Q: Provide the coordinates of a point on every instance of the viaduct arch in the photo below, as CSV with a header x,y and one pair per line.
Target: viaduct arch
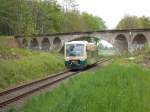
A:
x,y
123,40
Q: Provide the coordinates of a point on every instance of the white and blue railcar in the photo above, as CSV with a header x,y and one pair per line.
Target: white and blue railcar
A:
x,y
80,54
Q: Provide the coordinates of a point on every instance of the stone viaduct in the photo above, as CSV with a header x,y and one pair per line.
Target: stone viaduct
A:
x,y
122,40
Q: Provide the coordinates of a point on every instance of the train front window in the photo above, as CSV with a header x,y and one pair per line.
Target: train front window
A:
x,y
74,49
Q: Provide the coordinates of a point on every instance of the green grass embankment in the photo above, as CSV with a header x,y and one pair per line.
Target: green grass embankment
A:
x,y
20,65
119,87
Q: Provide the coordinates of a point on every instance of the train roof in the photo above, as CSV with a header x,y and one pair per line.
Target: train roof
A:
x,y
77,42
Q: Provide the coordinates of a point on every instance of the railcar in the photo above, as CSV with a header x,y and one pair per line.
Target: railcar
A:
x,y
80,54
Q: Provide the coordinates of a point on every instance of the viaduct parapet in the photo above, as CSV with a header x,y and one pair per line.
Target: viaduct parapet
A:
x,y
122,40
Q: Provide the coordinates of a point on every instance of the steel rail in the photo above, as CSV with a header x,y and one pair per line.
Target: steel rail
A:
x,y
30,83
50,83
16,98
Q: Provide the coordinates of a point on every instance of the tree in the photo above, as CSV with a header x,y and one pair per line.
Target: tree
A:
x,y
29,17
133,22
128,22
74,22
69,5
93,22
7,16
144,22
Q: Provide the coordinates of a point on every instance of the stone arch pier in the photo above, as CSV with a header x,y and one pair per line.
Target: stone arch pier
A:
x,y
122,40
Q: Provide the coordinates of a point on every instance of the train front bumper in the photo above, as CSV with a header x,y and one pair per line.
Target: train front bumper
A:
x,y
76,64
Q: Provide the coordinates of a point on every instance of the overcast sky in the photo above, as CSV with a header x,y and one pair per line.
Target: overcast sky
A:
x,y
111,11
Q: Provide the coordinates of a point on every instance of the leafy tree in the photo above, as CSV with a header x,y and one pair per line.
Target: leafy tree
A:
x,y
93,22
144,22
74,22
128,22
133,22
44,16
7,16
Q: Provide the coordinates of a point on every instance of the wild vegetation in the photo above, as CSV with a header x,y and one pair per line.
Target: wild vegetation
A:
x,y
142,57
44,16
121,86
20,65
133,22
31,66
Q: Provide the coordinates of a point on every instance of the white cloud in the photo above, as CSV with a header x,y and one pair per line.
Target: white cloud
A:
x,y
111,11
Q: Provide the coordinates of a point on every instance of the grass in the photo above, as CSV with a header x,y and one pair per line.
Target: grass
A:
x,y
141,57
119,87
8,41
13,72
20,65
4,40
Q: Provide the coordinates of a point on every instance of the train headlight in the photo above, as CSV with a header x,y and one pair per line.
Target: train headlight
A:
x,y
67,58
81,58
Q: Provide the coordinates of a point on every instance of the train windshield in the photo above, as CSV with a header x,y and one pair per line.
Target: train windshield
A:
x,y
74,49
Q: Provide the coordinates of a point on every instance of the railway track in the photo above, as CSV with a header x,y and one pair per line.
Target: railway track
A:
x,y
15,94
